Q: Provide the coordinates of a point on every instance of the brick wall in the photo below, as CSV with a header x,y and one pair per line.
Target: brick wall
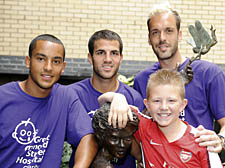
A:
x,y
74,21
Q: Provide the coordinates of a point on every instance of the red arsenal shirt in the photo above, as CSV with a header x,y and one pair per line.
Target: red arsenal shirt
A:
x,y
160,153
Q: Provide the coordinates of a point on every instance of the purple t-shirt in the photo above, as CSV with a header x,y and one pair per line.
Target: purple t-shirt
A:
x,y
89,98
205,93
32,130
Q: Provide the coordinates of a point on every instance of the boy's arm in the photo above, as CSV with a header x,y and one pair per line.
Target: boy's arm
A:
x,y
85,152
119,111
136,150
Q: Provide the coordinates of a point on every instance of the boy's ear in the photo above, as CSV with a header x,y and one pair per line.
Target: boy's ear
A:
x,y
146,103
185,102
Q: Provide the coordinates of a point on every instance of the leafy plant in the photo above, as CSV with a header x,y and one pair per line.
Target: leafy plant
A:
x,y
127,80
67,151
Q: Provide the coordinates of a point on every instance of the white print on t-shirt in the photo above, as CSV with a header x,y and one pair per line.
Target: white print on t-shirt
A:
x,y
154,143
185,156
182,115
24,132
91,113
34,145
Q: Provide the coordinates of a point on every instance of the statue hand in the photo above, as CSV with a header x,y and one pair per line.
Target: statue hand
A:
x,y
186,73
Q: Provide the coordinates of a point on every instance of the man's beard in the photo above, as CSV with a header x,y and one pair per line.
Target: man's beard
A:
x,y
37,83
102,77
96,71
173,52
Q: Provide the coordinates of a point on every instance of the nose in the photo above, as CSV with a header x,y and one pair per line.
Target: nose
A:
x,y
108,57
162,36
48,65
121,143
163,105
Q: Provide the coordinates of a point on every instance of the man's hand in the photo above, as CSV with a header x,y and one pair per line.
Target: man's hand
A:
x,y
120,110
208,138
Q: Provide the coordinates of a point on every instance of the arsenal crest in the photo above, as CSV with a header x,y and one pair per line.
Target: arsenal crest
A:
x,y
185,156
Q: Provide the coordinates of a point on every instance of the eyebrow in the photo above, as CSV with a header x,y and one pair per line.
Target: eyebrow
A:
x,y
40,54
115,50
99,50
104,50
43,55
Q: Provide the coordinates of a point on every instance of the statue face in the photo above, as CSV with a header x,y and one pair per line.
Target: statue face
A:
x,y
118,142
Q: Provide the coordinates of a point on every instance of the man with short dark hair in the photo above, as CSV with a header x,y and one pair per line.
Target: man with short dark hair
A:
x,y
105,54
36,115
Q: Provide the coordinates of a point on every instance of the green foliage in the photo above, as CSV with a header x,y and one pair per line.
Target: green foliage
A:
x,y
67,151
129,81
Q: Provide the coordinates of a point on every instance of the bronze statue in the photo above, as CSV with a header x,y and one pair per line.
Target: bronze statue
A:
x,y
201,43
114,143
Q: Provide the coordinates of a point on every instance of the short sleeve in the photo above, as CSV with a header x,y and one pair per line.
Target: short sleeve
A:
x,y
79,123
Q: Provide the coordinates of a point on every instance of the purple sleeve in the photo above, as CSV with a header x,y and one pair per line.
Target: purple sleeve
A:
x,y
137,86
79,123
141,79
217,88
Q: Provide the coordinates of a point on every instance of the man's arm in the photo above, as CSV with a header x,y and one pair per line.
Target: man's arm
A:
x,y
119,111
85,152
210,139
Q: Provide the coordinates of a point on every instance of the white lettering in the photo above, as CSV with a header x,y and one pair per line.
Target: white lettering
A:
x,y
29,166
22,160
41,152
38,139
19,160
45,144
31,154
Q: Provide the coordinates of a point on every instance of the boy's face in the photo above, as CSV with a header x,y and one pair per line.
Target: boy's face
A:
x,y
165,104
46,64
106,58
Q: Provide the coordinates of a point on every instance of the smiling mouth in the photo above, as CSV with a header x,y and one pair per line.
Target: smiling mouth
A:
x,y
47,77
164,115
107,67
163,47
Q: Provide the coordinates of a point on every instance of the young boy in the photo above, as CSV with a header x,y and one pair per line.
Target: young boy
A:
x,y
168,141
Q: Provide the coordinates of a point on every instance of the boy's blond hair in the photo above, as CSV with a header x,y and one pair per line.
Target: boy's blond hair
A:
x,y
166,77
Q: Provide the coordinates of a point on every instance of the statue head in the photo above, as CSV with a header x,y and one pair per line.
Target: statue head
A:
x,y
116,141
